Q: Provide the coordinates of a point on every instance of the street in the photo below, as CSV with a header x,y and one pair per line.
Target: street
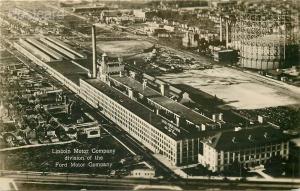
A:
x,y
67,181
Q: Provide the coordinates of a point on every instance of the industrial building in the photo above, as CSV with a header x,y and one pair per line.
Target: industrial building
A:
x,y
36,51
56,57
89,9
48,49
161,124
65,46
140,106
265,41
222,3
247,147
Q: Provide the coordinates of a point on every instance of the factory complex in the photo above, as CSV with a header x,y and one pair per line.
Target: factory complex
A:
x,y
148,109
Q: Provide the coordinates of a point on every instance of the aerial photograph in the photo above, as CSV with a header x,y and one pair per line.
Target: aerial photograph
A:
x,y
149,95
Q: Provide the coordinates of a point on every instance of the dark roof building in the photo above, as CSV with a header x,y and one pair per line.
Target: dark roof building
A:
x,y
247,147
247,138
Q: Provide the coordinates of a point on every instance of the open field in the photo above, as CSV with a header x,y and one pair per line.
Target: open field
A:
x,y
123,48
234,87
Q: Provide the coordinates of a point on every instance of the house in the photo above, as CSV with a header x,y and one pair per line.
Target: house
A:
x,y
143,173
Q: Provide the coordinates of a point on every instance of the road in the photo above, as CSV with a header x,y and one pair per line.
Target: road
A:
x,y
83,181
37,145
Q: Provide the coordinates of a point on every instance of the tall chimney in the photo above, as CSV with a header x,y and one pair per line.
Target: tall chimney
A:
x,y
94,51
221,32
227,40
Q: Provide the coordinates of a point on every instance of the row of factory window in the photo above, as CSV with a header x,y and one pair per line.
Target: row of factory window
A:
x,y
266,148
125,118
252,157
189,150
254,152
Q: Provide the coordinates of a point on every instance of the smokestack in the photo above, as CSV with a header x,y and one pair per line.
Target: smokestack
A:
x,y
227,40
94,51
221,33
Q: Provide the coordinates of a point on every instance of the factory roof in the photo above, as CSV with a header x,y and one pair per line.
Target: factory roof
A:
x,y
138,109
65,46
136,86
247,138
86,63
89,8
163,101
148,77
181,110
69,70
175,90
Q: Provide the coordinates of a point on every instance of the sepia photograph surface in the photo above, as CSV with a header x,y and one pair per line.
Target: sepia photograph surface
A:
x,y
149,95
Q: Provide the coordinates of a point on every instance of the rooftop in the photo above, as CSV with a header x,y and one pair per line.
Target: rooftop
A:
x,y
137,86
163,101
181,110
137,108
69,70
246,138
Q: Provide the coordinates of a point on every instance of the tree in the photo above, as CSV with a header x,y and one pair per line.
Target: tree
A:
x,y
203,44
275,165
